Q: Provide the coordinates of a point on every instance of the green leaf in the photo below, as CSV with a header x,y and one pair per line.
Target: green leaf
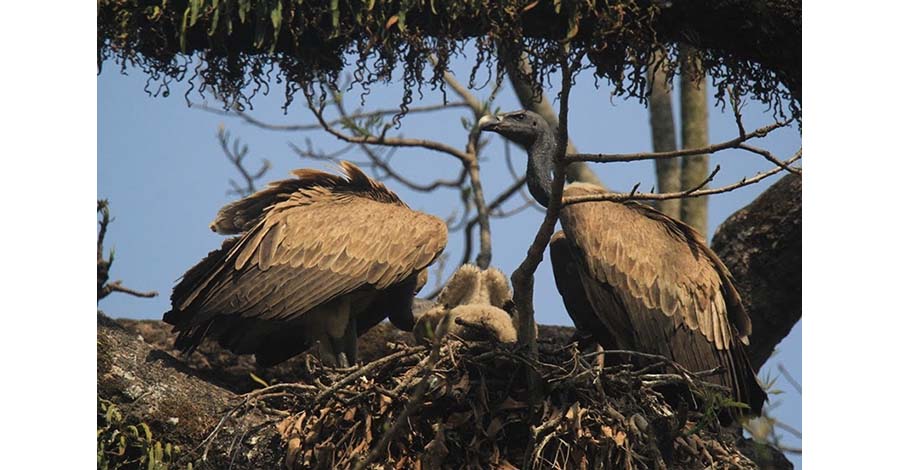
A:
x,y
276,17
335,17
243,8
258,380
196,6
401,20
147,433
184,24
215,19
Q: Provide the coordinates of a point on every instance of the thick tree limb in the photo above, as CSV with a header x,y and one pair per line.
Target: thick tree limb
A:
x,y
761,245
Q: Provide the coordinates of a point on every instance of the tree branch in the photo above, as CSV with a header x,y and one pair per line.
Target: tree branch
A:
x,y
317,110
314,126
633,157
694,192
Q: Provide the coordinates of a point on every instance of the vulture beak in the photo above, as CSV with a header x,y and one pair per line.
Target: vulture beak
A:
x,y
489,122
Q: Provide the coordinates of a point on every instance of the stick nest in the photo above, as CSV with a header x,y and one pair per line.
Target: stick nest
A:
x,y
466,405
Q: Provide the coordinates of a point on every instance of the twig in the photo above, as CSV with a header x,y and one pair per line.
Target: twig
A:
x,y
768,156
105,288
483,260
317,110
633,157
680,194
383,163
366,369
499,200
791,380
400,423
236,156
309,127
116,286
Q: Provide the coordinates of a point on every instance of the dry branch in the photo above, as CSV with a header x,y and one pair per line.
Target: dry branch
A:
x,y
318,110
104,288
633,157
694,192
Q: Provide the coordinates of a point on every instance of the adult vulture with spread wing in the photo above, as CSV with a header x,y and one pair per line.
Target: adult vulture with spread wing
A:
x,y
636,279
319,259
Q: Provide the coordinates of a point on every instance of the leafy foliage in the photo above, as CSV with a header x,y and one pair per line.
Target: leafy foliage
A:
x,y
130,446
750,46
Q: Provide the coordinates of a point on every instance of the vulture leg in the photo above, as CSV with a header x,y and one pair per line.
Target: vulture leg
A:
x,y
341,335
345,345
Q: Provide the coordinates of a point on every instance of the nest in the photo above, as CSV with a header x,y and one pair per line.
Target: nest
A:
x,y
466,405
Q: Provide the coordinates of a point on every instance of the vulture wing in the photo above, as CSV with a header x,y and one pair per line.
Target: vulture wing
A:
x,y
328,237
658,288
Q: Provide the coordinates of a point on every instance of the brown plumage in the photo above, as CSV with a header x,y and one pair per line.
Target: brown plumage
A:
x,y
320,258
639,280
633,278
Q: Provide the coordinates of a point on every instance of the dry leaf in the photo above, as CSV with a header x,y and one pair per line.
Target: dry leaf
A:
x,y
511,404
530,5
493,428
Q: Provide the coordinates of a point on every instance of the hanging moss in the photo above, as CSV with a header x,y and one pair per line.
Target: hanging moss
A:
x,y
231,47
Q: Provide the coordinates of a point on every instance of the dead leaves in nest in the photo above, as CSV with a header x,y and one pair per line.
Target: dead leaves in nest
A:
x,y
474,414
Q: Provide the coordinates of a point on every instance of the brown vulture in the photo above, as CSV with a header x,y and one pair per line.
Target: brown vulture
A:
x,y
319,259
636,279
474,305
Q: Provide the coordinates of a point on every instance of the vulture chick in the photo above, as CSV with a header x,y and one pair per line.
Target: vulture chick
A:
x,y
634,278
317,260
472,306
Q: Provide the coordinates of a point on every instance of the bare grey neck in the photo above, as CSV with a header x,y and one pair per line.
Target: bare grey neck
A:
x,y
539,175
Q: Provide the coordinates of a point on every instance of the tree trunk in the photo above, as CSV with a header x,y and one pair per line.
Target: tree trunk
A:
x,y
761,245
662,126
694,133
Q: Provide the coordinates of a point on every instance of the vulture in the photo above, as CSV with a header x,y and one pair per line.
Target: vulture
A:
x,y
633,278
317,260
479,299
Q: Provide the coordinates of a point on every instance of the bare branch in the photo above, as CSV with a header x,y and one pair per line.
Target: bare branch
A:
x,y
314,126
383,163
681,194
414,402
116,286
103,265
318,110
790,378
768,156
523,277
236,153
633,157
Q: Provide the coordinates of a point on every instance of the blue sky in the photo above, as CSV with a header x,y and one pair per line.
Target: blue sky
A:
x,y
161,167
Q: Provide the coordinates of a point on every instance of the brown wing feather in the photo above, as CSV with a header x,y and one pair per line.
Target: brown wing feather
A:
x,y
322,241
657,264
657,288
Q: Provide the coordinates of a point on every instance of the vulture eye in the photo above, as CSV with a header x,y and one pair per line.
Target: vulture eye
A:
x,y
517,117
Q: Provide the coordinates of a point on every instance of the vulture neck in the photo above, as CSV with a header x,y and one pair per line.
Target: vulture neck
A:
x,y
539,175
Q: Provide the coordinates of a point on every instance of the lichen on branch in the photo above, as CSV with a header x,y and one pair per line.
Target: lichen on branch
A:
x,y
232,48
